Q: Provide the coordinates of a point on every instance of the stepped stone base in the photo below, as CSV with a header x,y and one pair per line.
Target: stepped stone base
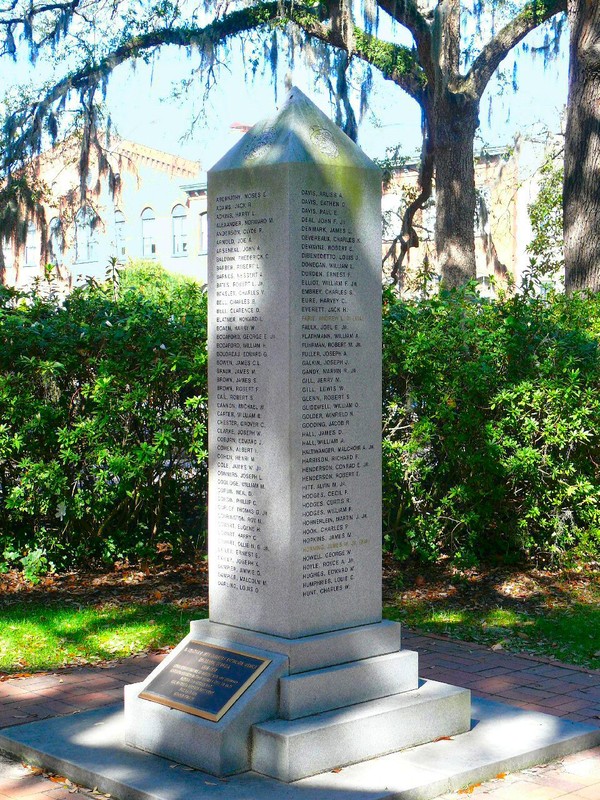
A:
x,y
290,750
221,748
310,652
347,684
325,701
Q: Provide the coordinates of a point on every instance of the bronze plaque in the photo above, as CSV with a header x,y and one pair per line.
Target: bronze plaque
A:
x,y
205,680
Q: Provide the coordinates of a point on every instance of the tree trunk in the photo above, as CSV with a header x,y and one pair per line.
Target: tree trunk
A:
x,y
454,122
582,150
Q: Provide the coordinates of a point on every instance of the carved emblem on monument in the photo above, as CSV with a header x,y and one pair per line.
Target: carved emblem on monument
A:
x,y
323,141
260,145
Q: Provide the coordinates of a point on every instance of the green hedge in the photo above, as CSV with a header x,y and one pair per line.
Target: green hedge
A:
x,y
102,422
491,424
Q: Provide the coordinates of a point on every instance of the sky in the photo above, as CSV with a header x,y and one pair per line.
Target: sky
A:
x,y
144,107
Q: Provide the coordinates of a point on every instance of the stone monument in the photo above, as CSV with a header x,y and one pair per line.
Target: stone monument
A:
x,y
295,673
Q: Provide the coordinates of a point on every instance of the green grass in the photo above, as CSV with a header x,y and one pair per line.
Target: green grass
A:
x,y
36,637
570,634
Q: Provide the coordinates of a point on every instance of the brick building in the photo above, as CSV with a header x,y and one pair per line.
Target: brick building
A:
x,y
157,211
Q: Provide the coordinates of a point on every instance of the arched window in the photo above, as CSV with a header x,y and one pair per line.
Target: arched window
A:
x,y
55,241
482,211
86,243
7,252
148,233
32,246
120,241
179,225
203,238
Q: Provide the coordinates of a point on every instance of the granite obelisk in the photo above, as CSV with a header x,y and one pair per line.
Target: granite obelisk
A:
x,y
295,379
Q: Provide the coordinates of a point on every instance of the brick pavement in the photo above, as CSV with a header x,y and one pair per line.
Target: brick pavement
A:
x,y
69,691
531,683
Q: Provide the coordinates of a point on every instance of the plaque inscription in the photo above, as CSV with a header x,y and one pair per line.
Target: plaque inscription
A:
x,y
205,679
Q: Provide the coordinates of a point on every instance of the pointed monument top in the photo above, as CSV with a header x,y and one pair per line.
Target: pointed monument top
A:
x,y
299,133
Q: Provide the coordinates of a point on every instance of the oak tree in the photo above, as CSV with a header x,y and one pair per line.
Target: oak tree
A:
x,y
581,191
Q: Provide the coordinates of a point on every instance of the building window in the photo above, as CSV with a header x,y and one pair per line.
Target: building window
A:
x,y
120,244
179,223
482,211
86,243
148,233
55,241
32,249
7,252
203,232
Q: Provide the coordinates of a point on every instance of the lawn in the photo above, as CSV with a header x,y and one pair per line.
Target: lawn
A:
x,y
87,618
38,637
553,613
80,619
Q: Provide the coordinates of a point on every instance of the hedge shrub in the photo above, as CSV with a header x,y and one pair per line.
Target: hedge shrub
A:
x,y
102,422
492,426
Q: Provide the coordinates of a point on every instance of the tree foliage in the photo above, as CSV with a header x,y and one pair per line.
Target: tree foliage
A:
x,y
546,216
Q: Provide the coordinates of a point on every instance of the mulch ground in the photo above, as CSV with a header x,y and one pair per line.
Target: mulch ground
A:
x,y
527,590
185,584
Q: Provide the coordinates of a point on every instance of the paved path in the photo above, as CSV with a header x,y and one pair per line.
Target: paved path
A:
x,y
531,683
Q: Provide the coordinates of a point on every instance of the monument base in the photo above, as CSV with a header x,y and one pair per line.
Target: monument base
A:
x,y
324,701
291,750
218,747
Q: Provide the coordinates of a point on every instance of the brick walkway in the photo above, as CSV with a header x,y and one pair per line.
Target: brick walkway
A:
x,y
540,685
537,685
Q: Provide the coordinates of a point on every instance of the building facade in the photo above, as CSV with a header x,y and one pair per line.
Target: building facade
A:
x,y
155,208
507,182
152,207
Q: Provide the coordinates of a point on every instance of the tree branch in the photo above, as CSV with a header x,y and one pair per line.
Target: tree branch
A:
x,y
488,61
445,33
408,236
92,74
396,63
34,11
407,14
